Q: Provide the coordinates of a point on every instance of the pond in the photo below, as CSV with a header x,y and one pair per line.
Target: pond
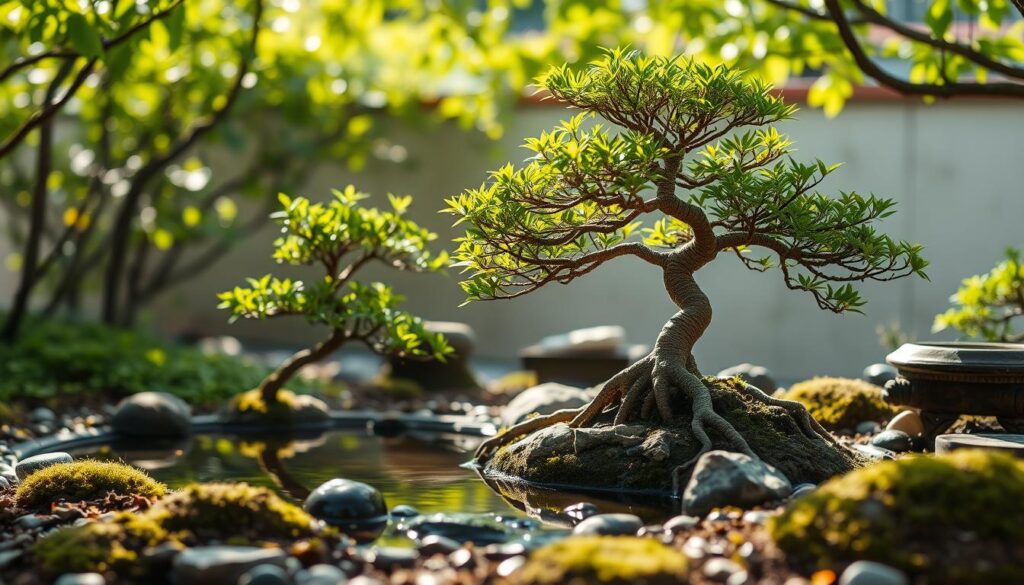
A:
x,y
423,470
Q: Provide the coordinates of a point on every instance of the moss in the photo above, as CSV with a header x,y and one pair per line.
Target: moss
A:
x,y
398,388
111,545
953,519
841,403
197,514
9,414
232,511
624,560
289,409
85,480
586,461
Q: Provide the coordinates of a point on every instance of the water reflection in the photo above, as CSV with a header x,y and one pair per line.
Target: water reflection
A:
x,y
422,470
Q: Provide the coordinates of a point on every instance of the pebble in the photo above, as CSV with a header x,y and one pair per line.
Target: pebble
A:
x,y
463,559
479,531
757,376
610,525
265,575
364,580
509,566
321,574
9,556
907,421
723,478
4,484
720,569
436,544
348,505
580,511
868,427
872,573
81,579
756,517
30,465
42,415
387,558
893,440
404,511
803,489
879,374
681,523
217,565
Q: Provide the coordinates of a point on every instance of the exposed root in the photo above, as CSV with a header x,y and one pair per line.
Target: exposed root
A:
x,y
811,428
489,446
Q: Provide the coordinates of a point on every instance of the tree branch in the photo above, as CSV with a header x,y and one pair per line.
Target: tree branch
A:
x,y
860,56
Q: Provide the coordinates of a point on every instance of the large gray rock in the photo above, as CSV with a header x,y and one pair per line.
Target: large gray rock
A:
x,y
723,478
755,375
220,565
30,465
152,414
544,399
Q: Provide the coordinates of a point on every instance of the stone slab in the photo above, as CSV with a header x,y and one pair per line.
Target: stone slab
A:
x,y
1012,444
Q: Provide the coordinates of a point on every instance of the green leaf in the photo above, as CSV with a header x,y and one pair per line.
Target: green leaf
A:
x,y
84,38
175,25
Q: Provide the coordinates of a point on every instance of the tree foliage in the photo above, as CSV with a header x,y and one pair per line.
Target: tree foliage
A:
x,y
152,96
698,151
340,238
989,305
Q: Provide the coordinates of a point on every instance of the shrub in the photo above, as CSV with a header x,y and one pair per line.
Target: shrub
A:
x,y
989,305
60,358
955,519
85,480
841,403
624,560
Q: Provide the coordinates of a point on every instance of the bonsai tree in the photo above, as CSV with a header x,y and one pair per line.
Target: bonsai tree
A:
x,y
697,151
340,238
987,305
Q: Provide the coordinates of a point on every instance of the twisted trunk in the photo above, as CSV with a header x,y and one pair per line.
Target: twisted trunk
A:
x,y
275,381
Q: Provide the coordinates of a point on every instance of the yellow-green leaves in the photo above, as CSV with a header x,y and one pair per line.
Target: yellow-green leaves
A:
x,y
989,305
84,38
340,237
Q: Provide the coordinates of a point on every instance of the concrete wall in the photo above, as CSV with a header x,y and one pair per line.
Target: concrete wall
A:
x,y
955,169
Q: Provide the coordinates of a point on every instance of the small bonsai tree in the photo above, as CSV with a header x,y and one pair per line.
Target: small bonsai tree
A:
x,y
697,149
988,305
341,237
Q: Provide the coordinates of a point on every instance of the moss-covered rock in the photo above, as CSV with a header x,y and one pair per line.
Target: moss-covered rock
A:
x,y
238,513
841,403
954,519
85,480
613,560
643,457
197,514
290,409
111,545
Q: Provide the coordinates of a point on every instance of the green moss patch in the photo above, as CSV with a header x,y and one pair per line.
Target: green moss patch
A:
x,y
290,409
85,480
954,519
619,560
232,512
197,514
112,545
841,403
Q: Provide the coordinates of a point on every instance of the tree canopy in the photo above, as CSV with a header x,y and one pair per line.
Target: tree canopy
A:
x,y
697,150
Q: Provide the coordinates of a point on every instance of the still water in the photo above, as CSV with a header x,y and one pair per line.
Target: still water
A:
x,y
424,471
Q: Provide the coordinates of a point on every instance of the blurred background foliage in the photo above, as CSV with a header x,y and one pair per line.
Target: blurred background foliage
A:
x,y
114,114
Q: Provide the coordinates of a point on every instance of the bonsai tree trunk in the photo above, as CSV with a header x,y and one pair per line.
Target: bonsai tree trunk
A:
x,y
645,390
275,381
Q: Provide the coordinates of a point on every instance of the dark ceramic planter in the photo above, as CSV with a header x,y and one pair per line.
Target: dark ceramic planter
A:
x,y
946,380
